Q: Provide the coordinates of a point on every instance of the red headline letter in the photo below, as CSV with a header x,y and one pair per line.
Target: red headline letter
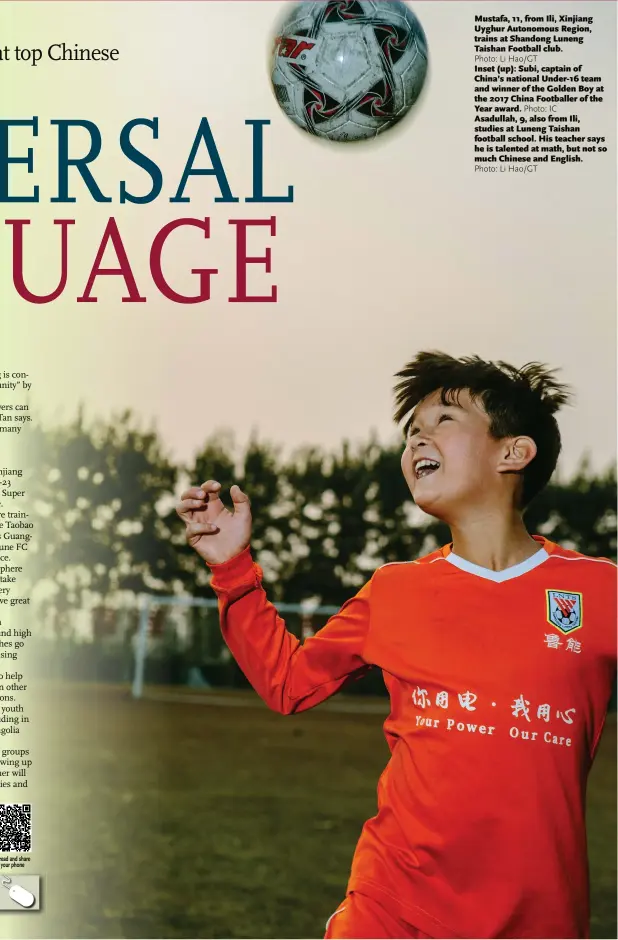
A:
x,y
18,261
157,273
242,260
112,234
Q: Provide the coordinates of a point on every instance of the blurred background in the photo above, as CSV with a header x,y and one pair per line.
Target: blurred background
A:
x,y
324,519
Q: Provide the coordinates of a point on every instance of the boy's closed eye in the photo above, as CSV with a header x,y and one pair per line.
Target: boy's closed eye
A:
x,y
416,430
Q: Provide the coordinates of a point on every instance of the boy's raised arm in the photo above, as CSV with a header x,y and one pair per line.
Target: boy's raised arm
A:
x,y
289,676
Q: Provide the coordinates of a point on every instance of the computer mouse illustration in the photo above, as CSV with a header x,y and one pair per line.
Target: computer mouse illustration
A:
x,y
21,896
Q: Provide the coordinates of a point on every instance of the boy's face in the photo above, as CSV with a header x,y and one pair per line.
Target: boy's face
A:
x,y
450,462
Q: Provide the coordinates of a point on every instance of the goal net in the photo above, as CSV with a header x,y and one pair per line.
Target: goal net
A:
x,y
178,642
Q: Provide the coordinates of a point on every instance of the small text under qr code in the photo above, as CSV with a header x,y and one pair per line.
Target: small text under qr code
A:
x,y
15,827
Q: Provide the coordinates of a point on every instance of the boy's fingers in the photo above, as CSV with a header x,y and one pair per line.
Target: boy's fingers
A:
x,y
198,497
197,529
194,492
241,500
211,490
189,505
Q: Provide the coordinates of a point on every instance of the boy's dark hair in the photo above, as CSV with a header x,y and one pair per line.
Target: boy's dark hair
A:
x,y
517,402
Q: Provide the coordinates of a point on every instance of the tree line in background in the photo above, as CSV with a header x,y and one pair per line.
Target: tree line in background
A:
x,y
103,497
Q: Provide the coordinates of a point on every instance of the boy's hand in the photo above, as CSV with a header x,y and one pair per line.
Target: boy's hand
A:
x,y
213,531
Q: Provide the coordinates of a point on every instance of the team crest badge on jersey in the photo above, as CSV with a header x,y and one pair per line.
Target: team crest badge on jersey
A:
x,y
564,610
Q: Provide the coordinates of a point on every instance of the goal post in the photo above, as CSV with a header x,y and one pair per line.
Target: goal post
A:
x,y
185,627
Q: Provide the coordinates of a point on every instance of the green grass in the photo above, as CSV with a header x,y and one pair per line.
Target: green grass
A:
x,y
189,821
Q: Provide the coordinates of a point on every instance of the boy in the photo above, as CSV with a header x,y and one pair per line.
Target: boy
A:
x,y
498,652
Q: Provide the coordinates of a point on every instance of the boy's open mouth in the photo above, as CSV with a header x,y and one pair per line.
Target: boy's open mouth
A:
x,y
425,466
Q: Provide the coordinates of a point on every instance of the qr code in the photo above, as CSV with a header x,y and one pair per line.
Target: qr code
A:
x,y
15,827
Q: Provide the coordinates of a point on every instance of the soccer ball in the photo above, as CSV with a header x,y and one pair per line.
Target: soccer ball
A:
x,y
348,69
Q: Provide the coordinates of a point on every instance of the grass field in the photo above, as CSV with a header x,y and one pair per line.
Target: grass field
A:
x,y
193,821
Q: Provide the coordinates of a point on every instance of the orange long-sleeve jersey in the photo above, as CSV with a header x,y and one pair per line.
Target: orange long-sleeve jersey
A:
x,y
499,684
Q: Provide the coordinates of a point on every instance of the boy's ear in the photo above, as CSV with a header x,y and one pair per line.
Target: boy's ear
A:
x,y
516,454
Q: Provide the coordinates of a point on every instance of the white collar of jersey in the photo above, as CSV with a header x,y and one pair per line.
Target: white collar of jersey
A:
x,y
513,572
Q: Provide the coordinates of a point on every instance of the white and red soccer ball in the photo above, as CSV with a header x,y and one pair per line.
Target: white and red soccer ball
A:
x,y
348,70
